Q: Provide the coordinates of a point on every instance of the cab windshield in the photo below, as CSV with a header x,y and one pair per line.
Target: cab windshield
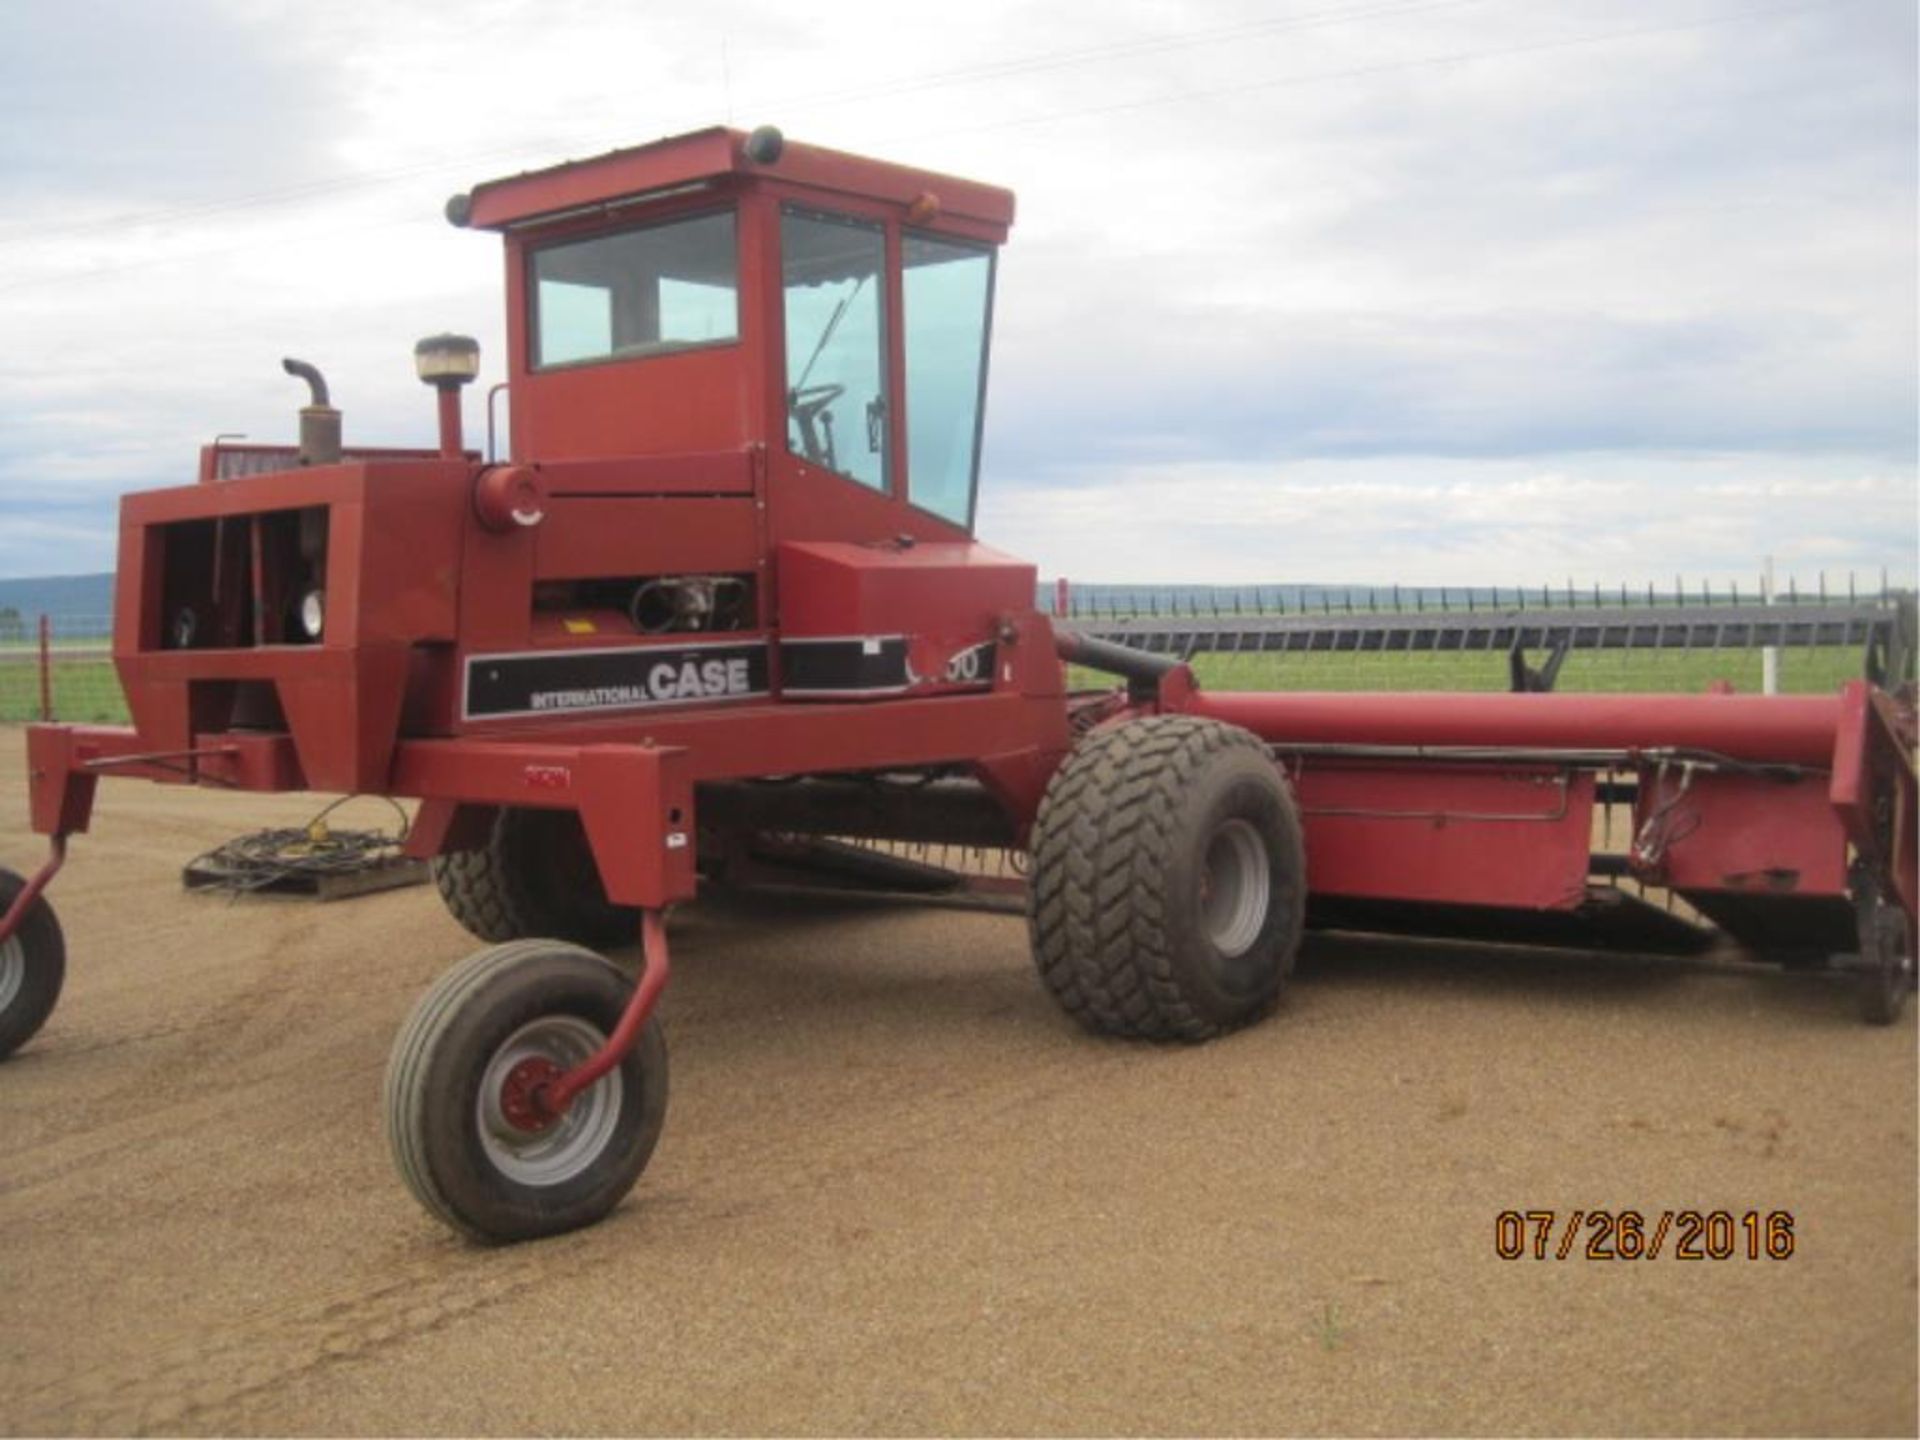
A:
x,y
839,399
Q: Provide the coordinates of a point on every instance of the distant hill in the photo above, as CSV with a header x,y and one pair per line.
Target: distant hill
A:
x,y
61,596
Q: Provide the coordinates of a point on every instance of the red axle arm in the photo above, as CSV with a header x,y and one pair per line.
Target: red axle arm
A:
x,y
23,902
551,1099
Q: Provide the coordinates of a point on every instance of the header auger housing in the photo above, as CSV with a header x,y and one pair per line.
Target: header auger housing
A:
x,y
720,609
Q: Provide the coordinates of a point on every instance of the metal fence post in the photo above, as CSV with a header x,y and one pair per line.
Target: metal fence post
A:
x,y
46,670
1769,655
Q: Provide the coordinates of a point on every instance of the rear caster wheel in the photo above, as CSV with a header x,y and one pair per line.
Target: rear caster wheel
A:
x,y
1886,955
1169,880
466,1135
33,965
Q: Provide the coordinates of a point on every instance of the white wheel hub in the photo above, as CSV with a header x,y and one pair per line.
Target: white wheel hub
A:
x,y
557,1152
1236,884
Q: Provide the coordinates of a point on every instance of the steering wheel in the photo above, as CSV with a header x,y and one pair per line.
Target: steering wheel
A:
x,y
812,399
808,406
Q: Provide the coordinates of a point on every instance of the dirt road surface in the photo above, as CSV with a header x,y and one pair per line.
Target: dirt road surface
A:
x,y
898,1193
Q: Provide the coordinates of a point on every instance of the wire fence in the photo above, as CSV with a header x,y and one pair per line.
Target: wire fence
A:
x,y
1077,600
1303,638
1601,639
1808,671
69,676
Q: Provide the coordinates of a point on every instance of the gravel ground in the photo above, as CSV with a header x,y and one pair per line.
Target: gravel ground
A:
x,y
899,1194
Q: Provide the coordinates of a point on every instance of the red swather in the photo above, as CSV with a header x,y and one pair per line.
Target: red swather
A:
x,y
722,599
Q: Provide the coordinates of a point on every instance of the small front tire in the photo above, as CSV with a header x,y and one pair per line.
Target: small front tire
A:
x,y
33,967
456,1089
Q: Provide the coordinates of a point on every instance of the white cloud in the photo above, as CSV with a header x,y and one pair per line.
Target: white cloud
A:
x,y
1601,305
1592,519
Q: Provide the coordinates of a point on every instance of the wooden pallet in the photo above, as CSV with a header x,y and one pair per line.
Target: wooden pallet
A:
x,y
392,873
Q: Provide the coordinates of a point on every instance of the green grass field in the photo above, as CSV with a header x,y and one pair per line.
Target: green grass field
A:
x,y
87,691
1809,671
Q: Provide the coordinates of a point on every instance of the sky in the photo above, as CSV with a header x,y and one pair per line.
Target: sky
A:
x,y
1371,291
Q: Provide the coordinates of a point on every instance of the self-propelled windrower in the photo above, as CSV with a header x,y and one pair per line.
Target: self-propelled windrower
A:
x,y
721,601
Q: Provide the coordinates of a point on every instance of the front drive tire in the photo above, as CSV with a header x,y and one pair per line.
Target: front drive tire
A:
x,y
1169,880
449,1098
33,966
536,875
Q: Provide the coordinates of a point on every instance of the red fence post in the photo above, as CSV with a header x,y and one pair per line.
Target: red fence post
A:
x,y
46,670
1060,596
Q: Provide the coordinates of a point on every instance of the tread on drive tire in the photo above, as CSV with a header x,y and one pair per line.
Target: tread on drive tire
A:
x,y
33,966
464,1056
535,876
1169,880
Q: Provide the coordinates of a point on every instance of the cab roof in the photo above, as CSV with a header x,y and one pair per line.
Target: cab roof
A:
x,y
706,157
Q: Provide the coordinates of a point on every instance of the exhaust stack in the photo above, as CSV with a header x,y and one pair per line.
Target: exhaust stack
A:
x,y
319,421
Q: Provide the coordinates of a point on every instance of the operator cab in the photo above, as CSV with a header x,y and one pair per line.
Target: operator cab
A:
x,y
722,295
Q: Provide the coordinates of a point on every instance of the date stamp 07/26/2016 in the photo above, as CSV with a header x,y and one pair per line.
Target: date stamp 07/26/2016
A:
x,y
1643,1235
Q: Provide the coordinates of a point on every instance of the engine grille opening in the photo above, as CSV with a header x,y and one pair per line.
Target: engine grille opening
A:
x,y
241,581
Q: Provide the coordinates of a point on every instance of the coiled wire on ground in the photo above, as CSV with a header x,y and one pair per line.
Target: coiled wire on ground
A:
x,y
262,858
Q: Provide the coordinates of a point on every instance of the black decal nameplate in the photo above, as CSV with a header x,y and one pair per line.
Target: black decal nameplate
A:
x,y
850,666
637,677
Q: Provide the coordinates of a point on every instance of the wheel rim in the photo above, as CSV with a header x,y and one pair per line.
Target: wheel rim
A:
x,y
13,971
556,1152
1235,886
